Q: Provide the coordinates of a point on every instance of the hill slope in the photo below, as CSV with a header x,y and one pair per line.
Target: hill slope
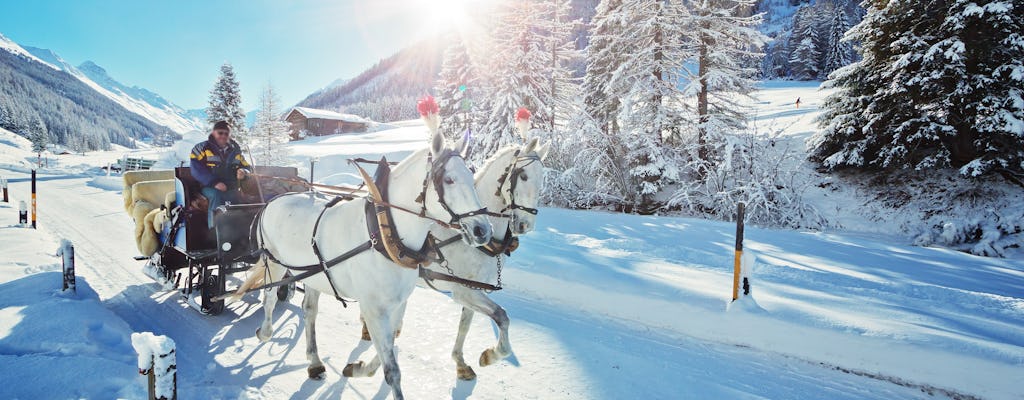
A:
x,y
135,99
385,91
37,96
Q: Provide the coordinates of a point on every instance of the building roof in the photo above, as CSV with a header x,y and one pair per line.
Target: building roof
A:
x,y
331,115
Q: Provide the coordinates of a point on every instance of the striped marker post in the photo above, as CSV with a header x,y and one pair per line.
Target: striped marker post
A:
x,y
738,253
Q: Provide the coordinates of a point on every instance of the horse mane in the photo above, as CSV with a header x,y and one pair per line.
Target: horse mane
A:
x,y
499,155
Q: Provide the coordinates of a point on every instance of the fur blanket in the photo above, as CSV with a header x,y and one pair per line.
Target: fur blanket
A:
x,y
146,199
133,177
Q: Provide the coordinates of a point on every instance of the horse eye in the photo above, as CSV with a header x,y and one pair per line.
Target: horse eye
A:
x,y
523,177
449,181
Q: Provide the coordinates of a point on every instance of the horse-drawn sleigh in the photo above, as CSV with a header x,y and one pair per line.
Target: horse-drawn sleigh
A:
x,y
428,219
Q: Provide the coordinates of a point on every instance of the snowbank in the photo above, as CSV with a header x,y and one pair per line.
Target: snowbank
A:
x,y
56,344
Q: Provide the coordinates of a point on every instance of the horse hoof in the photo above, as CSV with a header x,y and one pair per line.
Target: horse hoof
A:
x,y
466,373
350,369
366,334
488,357
317,373
259,335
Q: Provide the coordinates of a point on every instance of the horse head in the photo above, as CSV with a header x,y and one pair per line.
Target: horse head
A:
x,y
453,195
523,185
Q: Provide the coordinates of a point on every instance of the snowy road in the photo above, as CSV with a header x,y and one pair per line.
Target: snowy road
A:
x,y
561,352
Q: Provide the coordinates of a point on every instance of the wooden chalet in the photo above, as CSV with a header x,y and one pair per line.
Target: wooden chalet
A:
x,y
312,122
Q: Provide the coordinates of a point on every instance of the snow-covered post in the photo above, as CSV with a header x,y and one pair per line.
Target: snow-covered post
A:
x,y
737,265
22,213
3,185
157,360
67,254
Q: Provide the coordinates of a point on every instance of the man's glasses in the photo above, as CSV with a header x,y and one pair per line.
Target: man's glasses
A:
x,y
222,132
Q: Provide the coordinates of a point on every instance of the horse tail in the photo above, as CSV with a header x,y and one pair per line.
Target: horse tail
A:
x,y
256,277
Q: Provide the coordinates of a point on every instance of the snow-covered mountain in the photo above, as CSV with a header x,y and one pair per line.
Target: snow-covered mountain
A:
x,y
39,96
135,99
384,91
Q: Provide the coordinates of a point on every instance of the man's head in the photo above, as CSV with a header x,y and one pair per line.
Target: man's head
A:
x,y
221,133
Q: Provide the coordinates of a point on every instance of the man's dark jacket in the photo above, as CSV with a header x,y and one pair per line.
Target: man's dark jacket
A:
x,y
211,164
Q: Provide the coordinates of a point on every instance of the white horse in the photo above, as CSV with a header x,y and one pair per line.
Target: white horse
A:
x,y
508,183
380,286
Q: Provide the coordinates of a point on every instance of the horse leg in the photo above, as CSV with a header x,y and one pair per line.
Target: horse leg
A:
x,y
479,302
265,331
310,306
398,328
463,370
380,326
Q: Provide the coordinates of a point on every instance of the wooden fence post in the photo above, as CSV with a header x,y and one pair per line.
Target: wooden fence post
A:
x,y
3,184
158,362
738,254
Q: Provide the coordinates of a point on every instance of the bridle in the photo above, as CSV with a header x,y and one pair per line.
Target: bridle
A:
x,y
511,177
435,175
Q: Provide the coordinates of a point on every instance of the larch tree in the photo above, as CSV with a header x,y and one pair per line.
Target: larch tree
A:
x,y
727,47
270,132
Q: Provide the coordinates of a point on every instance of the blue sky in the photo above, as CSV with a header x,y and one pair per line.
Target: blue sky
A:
x,y
175,48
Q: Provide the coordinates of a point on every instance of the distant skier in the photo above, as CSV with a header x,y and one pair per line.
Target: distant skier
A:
x,y
218,165
797,102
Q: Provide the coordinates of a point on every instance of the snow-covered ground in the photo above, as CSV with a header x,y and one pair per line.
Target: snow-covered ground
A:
x,y
603,306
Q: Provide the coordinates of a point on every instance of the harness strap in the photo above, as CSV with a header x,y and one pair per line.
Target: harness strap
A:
x,y
430,275
310,270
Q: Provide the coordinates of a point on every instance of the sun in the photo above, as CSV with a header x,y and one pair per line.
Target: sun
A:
x,y
445,15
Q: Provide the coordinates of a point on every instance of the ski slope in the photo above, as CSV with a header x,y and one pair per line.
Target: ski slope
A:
x,y
603,306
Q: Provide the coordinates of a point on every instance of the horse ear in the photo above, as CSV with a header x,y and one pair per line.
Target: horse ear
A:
x,y
542,151
532,144
437,143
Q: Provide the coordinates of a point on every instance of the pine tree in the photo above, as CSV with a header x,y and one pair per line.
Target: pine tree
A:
x,y
838,53
458,81
40,139
269,133
226,102
522,73
939,86
602,60
805,55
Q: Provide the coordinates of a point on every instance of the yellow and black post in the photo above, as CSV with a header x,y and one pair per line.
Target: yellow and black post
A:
x,y
33,199
738,252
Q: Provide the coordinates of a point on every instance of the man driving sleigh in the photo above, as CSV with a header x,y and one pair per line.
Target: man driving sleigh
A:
x,y
218,165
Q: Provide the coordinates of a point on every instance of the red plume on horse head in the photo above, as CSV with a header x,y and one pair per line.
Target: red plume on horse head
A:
x,y
429,110
523,121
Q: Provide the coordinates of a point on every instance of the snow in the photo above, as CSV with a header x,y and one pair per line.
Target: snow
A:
x,y
56,344
9,45
603,305
331,115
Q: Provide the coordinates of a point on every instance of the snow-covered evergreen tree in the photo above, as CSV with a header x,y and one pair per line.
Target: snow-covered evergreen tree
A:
x,y
270,132
226,102
838,52
39,137
805,55
459,80
939,86
527,69
602,60
727,47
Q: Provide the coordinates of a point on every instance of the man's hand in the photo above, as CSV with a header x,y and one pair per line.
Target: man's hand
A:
x,y
241,174
221,186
